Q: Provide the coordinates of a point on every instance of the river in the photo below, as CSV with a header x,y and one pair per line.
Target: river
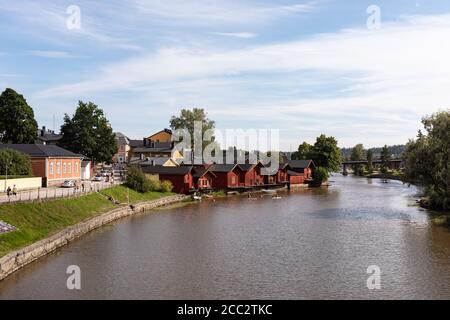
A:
x,y
311,244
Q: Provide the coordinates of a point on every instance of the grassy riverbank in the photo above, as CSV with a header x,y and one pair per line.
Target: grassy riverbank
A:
x,y
36,221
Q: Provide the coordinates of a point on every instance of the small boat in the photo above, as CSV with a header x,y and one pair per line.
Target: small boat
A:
x,y
276,198
268,191
195,197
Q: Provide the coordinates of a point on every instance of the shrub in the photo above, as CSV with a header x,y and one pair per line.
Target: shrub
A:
x,y
137,180
166,186
320,174
17,162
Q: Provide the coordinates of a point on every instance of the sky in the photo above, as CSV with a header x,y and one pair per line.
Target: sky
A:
x,y
302,67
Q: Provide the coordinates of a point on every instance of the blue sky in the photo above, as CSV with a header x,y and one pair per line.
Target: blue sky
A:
x,y
304,67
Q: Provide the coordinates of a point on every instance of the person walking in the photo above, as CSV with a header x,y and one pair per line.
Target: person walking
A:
x,y
8,192
14,191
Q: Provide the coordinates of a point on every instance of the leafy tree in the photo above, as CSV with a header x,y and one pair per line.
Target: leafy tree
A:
x,y
385,157
326,153
427,159
137,180
17,123
18,163
320,174
186,120
370,161
358,154
88,132
304,152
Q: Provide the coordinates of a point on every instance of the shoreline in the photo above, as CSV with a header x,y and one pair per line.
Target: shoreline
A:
x,y
15,260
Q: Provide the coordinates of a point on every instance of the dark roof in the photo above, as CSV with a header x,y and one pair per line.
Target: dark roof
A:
x,y
150,161
300,164
223,167
136,143
41,150
47,135
148,149
200,172
247,166
176,171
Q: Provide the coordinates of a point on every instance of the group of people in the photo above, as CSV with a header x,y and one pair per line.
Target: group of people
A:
x,y
11,192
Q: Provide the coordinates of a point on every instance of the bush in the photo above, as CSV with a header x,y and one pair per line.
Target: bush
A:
x,y
18,163
137,180
166,186
320,174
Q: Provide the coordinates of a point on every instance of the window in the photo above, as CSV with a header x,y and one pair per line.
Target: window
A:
x,y
233,180
64,167
58,167
51,168
76,167
69,167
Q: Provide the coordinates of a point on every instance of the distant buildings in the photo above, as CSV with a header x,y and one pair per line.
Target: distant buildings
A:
x,y
47,137
123,146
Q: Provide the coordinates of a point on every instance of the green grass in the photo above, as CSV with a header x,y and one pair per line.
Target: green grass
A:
x,y
36,221
119,193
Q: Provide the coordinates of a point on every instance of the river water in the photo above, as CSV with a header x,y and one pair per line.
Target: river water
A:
x,y
311,244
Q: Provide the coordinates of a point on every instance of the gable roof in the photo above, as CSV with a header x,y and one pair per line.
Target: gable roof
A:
x,y
200,172
176,171
41,150
150,161
168,131
301,164
122,139
224,167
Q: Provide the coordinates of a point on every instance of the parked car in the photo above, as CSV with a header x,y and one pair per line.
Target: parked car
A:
x,y
98,178
68,184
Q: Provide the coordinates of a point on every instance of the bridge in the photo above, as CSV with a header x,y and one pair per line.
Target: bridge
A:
x,y
393,163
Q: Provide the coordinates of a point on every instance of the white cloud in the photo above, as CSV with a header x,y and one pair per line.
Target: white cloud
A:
x,y
204,12
49,54
244,35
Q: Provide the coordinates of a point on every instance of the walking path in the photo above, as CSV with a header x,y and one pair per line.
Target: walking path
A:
x,y
55,192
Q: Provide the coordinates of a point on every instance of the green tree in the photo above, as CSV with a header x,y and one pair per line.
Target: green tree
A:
x,y
326,153
17,162
358,154
370,161
427,159
385,158
17,123
320,174
186,120
137,180
303,152
89,133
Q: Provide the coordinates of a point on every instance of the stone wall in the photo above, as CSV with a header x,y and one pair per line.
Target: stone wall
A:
x,y
17,259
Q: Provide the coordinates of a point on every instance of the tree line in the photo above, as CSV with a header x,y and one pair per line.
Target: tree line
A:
x,y
86,132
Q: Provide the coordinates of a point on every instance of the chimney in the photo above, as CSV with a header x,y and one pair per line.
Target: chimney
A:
x,y
43,131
